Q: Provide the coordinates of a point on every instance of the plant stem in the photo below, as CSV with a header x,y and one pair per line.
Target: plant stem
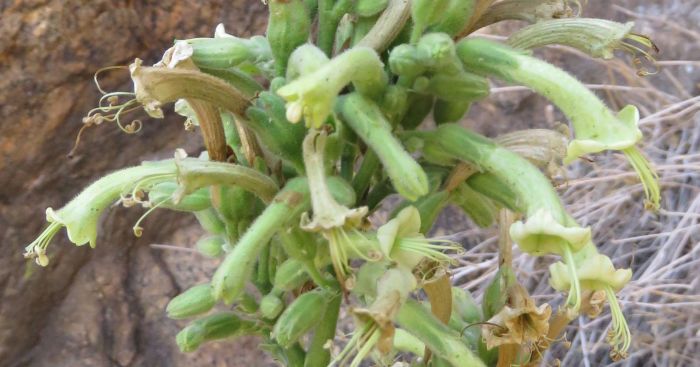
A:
x,y
442,340
318,353
388,26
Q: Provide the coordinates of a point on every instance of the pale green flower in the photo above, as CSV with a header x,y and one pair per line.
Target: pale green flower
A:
x,y
596,272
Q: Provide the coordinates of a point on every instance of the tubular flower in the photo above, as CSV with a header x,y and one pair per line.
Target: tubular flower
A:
x,y
596,37
81,215
596,127
313,96
330,218
596,272
377,329
520,186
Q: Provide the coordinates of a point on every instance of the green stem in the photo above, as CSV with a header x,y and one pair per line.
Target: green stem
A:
x,y
388,26
195,173
329,14
438,337
364,174
318,353
406,342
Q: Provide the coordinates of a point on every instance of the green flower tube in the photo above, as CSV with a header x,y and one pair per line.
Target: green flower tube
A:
x,y
530,11
596,37
312,96
596,127
438,337
331,218
227,52
367,120
81,215
548,228
230,278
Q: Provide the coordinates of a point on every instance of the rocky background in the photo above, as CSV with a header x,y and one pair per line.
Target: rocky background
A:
x,y
105,307
102,307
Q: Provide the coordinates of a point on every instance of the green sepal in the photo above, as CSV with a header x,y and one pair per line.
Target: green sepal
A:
x,y
301,316
480,208
368,8
211,246
218,326
192,302
288,27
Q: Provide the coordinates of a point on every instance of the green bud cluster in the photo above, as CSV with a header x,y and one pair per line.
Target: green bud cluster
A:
x,y
341,104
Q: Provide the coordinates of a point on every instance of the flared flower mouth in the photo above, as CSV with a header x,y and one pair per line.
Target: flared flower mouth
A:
x,y
400,240
620,136
597,136
596,272
313,95
542,234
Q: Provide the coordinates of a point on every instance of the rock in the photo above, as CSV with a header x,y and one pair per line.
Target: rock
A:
x,y
102,307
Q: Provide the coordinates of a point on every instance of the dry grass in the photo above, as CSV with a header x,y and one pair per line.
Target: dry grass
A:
x,y
662,303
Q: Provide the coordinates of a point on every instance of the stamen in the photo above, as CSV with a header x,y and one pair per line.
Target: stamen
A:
x,y
138,230
619,337
100,71
574,298
647,175
638,53
37,249
367,344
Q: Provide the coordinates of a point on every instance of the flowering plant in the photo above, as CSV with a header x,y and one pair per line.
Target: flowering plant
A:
x,y
309,128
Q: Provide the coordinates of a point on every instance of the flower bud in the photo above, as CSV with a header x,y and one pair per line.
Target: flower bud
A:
x,y
438,337
271,306
290,275
288,27
368,8
210,221
211,246
437,50
455,18
419,106
450,111
426,13
405,61
218,326
459,87
192,302
300,317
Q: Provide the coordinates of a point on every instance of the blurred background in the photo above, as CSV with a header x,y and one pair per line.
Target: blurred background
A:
x,y
105,307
